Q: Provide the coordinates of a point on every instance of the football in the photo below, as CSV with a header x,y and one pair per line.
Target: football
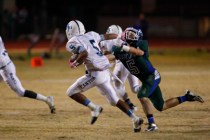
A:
x,y
73,57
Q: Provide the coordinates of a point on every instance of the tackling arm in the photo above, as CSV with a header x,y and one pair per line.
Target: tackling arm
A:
x,y
109,36
120,44
132,50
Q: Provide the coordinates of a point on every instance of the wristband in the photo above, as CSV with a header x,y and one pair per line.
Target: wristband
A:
x,y
76,63
73,64
125,48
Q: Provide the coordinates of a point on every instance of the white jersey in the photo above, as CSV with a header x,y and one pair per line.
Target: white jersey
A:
x,y
107,46
120,71
89,42
97,65
4,58
8,71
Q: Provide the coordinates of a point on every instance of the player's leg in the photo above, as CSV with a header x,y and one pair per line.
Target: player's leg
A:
x,y
134,83
75,92
161,105
34,39
119,87
107,89
147,93
189,96
11,79
122,73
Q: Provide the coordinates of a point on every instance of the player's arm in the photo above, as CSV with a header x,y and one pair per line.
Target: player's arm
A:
x,y
108,36
78,59
127,48
132,50
110,57
79,54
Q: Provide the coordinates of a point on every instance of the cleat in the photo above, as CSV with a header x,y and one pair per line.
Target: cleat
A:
x,y
95,113
192,97
50,102
152,127
132,107
137,125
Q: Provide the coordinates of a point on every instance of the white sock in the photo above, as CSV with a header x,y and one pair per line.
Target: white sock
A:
x,y
133,116
41,97
91,105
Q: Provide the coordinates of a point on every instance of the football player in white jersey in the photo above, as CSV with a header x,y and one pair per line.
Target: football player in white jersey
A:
x,y
86,46
8,75
120,70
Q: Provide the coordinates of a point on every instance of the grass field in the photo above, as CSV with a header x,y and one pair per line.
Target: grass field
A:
x,y
26,119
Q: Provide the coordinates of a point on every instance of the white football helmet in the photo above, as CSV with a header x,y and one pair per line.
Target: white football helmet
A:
x,y
114,29
74,28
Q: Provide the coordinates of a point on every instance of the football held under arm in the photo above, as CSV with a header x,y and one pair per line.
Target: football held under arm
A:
x,y
79,54
81,57
77,59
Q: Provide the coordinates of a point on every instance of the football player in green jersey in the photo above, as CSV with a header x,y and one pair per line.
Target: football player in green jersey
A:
x,y
133,52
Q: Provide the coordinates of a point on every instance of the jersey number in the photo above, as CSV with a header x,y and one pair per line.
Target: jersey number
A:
x,y
132,67
4,53
93,43
72,47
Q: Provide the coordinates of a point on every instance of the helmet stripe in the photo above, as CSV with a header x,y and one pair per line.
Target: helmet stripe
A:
x,y
77,25
118,30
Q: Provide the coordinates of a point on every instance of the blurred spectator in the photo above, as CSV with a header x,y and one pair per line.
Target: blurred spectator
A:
x,y
8,23
34,39
58,40
23,24
143,24
207,38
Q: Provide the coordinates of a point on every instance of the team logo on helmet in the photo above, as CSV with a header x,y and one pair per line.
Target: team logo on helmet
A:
x,y
74,28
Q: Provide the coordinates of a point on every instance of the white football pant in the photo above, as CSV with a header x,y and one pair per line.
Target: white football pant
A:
x,y
8,74
122,73
99,79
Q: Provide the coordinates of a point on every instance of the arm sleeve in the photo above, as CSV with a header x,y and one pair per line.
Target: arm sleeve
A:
x,y
102,38
75,48
115,51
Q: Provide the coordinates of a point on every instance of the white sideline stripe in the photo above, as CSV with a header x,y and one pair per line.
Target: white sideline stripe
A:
x,y
171,73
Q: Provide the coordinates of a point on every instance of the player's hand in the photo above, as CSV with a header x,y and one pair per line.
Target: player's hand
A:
x,y
118,42
73,64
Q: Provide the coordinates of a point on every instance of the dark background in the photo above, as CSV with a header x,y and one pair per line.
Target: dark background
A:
x,y
167,18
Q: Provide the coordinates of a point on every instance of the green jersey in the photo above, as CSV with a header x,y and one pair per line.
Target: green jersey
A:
x,y
140,66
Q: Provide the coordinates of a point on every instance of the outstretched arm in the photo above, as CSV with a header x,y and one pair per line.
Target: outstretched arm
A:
x,y
132,50
109,36
121,44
